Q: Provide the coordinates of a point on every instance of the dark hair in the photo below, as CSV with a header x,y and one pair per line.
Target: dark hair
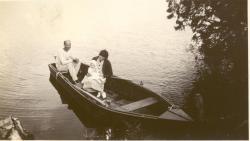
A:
x,y
104,53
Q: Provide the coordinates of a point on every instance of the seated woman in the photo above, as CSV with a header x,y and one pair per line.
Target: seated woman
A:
x,y
99,69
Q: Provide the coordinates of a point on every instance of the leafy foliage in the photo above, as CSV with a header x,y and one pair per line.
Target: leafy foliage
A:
x,y
220,43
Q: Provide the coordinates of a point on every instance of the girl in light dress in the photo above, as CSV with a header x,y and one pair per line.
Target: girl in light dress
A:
x,y
94,78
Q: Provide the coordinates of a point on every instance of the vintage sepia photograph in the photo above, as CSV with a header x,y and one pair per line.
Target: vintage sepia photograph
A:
x,y
124,70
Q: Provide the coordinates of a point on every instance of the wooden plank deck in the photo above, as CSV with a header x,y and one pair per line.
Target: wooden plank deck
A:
x,y
138,104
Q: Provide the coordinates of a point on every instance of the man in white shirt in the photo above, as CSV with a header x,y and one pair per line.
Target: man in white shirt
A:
x,y
66,62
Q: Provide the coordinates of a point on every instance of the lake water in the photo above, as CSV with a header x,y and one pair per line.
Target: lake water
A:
x,y
142,43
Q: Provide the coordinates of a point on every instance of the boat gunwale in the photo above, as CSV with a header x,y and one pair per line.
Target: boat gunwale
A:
x,y
103,106
115,110
150,91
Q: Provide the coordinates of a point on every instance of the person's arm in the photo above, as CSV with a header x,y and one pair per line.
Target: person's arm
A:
x,y
108,71
63,60
73,58
91,69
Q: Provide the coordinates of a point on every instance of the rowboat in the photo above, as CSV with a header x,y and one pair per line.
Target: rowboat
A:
x,y
125,100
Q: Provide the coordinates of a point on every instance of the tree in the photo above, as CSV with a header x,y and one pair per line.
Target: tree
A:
x,y
220,47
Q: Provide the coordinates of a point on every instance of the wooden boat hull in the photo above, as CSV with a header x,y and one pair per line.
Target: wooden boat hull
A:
x,y
105,114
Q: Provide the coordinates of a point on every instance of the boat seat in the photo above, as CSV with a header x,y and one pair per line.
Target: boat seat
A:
x,y
138,104
175,114
169,115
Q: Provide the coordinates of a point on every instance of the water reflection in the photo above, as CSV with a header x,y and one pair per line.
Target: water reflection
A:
x,y
143,45
117,128
96,128
93,128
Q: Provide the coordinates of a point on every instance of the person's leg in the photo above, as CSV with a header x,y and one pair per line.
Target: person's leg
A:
x,y
99,85
62,68
72,71
77,67
103,95
102,86
81,73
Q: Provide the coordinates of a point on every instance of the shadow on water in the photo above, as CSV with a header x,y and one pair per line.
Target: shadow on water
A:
x,y
97,129
117,128
94,128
